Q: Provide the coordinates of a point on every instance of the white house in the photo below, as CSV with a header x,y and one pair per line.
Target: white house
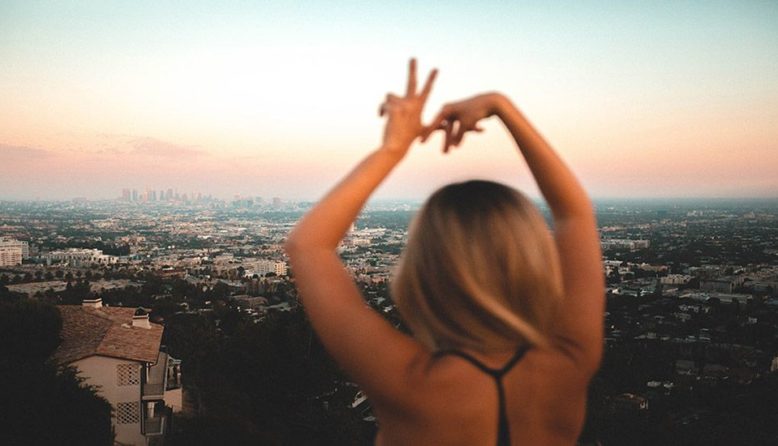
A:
x,y
118,350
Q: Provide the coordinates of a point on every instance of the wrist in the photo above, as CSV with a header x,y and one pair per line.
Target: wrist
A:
x,y
499,105
392,152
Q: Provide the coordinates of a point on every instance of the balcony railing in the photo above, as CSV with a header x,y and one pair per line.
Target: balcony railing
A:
x,y
153,391
155,425
154,384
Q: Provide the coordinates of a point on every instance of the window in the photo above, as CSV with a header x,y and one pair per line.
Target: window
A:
x,y
128,413
128,374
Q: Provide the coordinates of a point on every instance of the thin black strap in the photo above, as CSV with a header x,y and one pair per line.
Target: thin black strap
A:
x,y
503,430
495,373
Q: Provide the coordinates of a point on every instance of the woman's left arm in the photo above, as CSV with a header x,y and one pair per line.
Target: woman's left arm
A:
x,y
377,356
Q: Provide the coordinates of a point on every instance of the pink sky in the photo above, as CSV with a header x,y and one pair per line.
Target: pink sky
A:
x,y
643,101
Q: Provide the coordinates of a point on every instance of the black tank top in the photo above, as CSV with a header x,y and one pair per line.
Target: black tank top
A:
x,y
503,430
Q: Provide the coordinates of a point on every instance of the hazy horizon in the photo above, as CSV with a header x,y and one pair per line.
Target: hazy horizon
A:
x,y
649,100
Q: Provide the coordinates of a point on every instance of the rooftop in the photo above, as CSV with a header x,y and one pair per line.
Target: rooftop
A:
x,y
105,331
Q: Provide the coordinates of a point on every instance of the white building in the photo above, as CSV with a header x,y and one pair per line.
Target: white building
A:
x,y
10,256
79,257
9,242
675,279
264,267
618,243
118,351
12,251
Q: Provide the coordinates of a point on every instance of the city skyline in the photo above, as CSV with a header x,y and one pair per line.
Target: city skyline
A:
x,y
642,100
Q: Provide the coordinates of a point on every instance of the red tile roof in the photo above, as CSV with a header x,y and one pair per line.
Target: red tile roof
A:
x,y
106,331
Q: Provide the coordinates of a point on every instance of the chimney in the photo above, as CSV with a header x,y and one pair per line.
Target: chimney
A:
x,y
141,319
95,302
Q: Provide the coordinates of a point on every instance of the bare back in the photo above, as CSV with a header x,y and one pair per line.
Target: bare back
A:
x,y
452,402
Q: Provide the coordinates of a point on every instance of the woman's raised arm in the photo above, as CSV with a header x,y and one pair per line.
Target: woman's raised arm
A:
x,y
575,230
361,341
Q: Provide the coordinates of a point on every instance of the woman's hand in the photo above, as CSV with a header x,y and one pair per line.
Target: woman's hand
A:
x,y
458,118
403,125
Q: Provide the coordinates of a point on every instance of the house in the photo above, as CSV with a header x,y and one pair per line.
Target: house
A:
x,y
628,402
118,351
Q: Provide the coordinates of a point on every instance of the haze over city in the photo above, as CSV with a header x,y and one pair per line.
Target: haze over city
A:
x,y
645,99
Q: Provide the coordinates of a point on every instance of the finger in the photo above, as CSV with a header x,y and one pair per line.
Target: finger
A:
x,y
436,124
458,135
447,140
428,84
392,98
428,130
411,91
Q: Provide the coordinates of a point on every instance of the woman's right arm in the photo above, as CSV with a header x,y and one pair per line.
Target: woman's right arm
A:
x,y
580,329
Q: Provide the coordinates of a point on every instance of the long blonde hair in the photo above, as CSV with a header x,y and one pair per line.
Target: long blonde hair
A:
x,y
480,270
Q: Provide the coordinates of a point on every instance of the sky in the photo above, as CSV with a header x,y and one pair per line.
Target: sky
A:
x,y
279,99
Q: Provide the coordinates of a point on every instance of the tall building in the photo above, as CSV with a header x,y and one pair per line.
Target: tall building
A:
x,y
13,251
10,256
135,195
126,195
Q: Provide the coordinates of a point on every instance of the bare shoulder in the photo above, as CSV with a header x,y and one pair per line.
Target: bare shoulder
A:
x,y
555,371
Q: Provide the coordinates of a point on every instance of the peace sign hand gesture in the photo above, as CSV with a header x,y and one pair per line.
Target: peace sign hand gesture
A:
x,y
404,125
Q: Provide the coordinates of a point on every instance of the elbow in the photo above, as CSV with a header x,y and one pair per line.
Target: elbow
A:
x,y
292,245
581,212
595,358
590,359
583,208
295,245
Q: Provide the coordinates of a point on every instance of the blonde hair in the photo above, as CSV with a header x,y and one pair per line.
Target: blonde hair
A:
x,y
480,270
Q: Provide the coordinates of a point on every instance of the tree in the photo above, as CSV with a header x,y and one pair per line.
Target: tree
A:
x,y
29,330
43,403
271,382
165,308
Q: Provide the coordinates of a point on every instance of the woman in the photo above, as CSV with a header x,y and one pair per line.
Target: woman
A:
x,y
507,318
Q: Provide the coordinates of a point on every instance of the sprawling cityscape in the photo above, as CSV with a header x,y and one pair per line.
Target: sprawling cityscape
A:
x,y
154,158
200,291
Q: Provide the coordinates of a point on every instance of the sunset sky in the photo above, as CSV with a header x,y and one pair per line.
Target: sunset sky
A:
x,y
642,99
